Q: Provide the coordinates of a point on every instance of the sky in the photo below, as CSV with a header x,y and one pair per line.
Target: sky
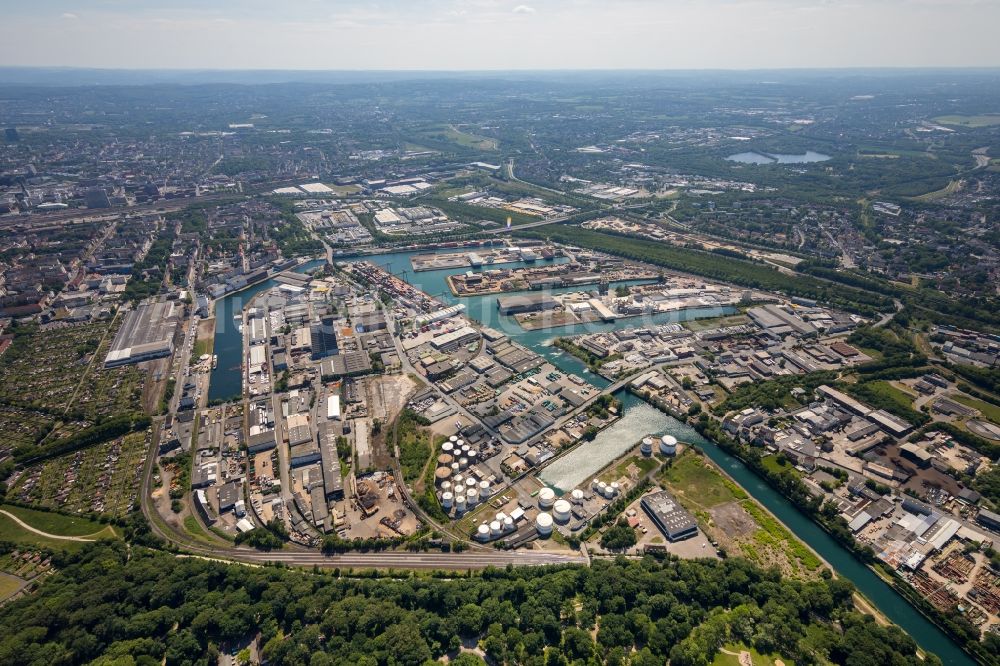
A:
x,y
499,34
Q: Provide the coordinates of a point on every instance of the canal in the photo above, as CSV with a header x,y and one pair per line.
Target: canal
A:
x,y
638,420
227,377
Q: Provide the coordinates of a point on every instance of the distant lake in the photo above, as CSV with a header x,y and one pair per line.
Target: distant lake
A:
x,y
777,158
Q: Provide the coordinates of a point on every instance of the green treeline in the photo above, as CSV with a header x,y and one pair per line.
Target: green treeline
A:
x,y
102,432
719,267
115,605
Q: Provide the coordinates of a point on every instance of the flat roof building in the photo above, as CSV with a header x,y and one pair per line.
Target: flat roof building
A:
x,y
670,517
525,303
147,334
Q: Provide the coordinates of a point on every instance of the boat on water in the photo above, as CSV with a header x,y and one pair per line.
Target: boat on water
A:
x,y
215,361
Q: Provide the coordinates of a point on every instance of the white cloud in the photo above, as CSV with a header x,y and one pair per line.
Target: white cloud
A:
x,y
524,9
70,16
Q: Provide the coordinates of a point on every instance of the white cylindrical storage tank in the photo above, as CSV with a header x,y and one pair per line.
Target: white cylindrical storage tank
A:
x,y
448,448
459,443
454,468
463,463
602,488
441,474
614,488
472,497
596,485
447,499
577,494
470,482
472,456
483,532
445,486
453,439
508,524
500,516
460,501
543,523
458,480
668,445
484,488
546,496
495,528
560,511
647,446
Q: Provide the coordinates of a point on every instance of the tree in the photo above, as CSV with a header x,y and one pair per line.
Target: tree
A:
x,y
619,536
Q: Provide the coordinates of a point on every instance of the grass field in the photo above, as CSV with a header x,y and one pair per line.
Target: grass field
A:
x,y
898,396
53,524
714,322
698,482
8,586
984,120
644,464
952,187
56,523
756,658
991,412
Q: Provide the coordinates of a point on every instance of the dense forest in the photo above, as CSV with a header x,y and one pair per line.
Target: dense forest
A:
x,y
113,604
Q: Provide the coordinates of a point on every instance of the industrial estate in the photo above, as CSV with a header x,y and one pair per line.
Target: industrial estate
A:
x,y
469,348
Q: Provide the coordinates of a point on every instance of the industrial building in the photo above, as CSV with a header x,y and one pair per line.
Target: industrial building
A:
x,y
323,338
521,303
147,334
670,517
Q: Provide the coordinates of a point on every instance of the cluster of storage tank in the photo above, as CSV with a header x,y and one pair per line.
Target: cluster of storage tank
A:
x,y
500,525
458,490
607,490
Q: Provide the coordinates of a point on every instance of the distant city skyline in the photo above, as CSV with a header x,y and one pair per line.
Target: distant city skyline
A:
x,y
502,34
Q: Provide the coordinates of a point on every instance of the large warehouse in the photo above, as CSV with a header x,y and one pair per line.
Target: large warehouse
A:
x,y
670,517
509,305
147,334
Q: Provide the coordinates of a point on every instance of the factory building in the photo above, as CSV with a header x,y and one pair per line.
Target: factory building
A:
x,y
147,334
669,516
521,303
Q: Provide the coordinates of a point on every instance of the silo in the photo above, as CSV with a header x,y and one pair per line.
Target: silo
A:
x,y
577,495
472,456
646,448
495,528
454,468
602,488
459,501
447,500
596,485
445,486
546,496
483,532
472,497
543,523
459,481
614,488
484,488
561,511
668,445
470,482
463,463
508,524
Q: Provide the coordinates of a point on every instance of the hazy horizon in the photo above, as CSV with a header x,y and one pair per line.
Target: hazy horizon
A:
x,y
503,35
